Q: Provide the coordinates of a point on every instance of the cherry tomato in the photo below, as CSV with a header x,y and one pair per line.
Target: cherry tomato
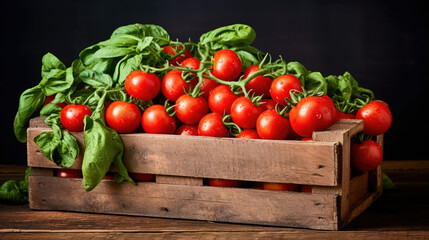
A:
x,y
190,110
271,125
173,85
280,88
269,104
341,115
259,85
142,177
142,85
109,176
156,120
123,117
191,130
227,65
211,125
69,173
249,134
306,188
376,116
244,113
307,139
311,114
193,63
366,156
281,187
333,108
72,116
221,99
51,98
224,182
179,59
207,86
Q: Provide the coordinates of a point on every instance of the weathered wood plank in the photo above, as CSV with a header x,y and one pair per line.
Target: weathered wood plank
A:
x,y
317,211
313,163
179,180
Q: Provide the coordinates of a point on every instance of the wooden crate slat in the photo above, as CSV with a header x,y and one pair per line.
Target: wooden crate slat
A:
x,y
313,163
237,205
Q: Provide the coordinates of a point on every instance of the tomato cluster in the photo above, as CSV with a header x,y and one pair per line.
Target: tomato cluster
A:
x,y
265,110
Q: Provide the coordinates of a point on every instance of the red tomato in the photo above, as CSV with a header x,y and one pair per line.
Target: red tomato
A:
x,y
307,139
207,86
269,104
109,176
227,65
51,98
271,125
190,110
193,63
142,177
341,115
306,188
259,85
179,59
224,182
281,87
221,99
244,113
311,114
69,173
141,85
366,156
281,187
72,116
123,117
211,125
173,85
333,108
376,116
249,134
191,130
156,120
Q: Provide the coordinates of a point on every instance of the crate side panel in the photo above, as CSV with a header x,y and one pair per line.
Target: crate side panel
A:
x,y
235,205
313,163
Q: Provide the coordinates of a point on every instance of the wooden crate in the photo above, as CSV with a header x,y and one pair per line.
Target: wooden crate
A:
x,y
181,163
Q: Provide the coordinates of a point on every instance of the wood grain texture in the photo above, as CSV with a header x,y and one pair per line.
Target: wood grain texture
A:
x,y
313,163
317,211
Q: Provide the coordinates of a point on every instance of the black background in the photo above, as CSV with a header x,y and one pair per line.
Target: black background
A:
x,y
383,44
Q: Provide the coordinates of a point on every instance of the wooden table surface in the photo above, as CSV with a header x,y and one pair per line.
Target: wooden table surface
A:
x,y
401,213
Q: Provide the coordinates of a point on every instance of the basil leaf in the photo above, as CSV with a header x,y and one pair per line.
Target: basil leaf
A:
x,y
126,67
59,146
232,36
96,79
124,40
11,192
159,34
144,43
112,52
103,147
30,101
298,70
58,83
314,81
248,55
53,112
387,182
50,64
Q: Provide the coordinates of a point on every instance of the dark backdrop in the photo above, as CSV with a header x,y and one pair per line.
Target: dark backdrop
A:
x,y
384,44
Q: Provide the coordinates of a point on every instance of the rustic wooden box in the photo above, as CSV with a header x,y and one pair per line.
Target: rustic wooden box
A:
x,y
181,163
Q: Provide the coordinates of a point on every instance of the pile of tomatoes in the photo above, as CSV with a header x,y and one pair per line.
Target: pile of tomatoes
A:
x,y
217,111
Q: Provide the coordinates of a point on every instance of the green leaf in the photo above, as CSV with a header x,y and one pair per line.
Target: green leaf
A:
x,y
59,83
112,52
144,43
51,63
126,67
387,182
124,40
59,146
248,55
10,192
30,101
103,147
298,70
159,34
315,81
96,79
231,35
